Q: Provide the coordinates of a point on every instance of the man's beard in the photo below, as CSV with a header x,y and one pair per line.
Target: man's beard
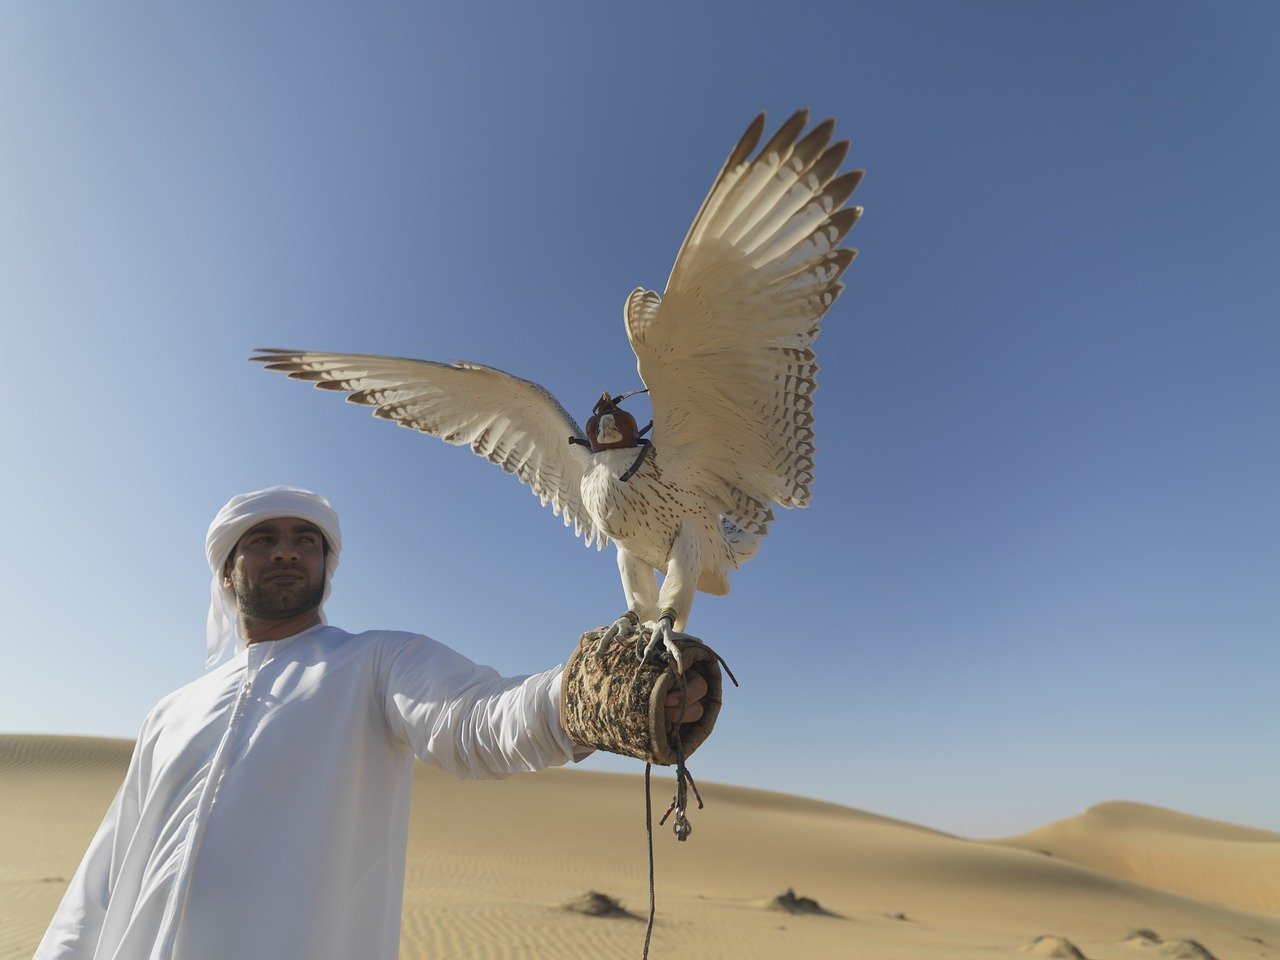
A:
x,y
268,604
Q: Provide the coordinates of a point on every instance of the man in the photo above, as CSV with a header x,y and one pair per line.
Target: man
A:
x,y
265,811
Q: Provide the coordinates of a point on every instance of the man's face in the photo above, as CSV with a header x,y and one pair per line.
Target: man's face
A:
x,y
277,569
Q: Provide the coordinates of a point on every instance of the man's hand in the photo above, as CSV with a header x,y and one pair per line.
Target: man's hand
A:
x,y
692,698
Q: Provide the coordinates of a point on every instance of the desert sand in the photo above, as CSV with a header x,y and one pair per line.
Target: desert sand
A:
x,y
492,866
1207,859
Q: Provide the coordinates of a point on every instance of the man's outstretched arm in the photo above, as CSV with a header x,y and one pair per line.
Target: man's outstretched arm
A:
x,y
467,719
473,723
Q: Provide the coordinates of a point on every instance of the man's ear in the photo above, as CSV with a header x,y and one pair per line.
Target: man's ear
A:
x,y
226,568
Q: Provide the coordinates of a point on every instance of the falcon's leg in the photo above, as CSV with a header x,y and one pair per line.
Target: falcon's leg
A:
x,y
640,587
676,597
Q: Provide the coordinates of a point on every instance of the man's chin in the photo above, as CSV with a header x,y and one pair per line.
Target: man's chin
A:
x,y
280,607
286,614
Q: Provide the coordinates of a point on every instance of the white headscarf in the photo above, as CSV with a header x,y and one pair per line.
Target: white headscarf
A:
x,y
233,522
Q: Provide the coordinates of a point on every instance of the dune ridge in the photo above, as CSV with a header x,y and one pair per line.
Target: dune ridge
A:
x,y
491,866
1208,859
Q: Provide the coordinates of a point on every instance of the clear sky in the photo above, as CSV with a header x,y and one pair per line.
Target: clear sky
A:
x,y
1041,565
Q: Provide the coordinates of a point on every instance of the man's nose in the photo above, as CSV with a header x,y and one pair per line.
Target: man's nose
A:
x,y
285,551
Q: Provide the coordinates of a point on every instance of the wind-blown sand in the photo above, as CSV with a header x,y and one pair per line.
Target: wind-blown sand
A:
x,y
492,866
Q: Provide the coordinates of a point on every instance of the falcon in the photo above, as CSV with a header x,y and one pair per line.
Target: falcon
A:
x,y
726,355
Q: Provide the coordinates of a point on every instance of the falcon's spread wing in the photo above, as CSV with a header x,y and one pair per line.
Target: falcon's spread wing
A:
x,y
726,352
514,423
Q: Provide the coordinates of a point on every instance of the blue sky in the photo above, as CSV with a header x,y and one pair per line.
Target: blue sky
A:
x,y
1040,568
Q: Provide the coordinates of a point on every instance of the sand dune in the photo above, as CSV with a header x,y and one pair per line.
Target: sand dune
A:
x,y
1208,859
492,866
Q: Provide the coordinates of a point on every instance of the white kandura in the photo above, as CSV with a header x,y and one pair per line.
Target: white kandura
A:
x,y
265,812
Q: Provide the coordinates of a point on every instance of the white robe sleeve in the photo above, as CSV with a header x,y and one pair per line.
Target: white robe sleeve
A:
x,y
77,924
468,720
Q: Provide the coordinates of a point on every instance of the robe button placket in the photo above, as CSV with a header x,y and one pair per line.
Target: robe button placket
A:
x,y
208,795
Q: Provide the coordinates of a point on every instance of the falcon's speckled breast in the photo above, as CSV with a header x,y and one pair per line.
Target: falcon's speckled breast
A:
x,y
646,511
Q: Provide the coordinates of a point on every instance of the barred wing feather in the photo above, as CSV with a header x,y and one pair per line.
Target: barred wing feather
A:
x,y
727,350
512,422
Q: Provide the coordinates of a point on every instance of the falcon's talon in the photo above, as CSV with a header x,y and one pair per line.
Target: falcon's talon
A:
x,y
620,629
664,634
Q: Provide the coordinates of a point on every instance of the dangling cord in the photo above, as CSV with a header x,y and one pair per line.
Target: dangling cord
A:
x,y
682,825
648,826
648,813
684,780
